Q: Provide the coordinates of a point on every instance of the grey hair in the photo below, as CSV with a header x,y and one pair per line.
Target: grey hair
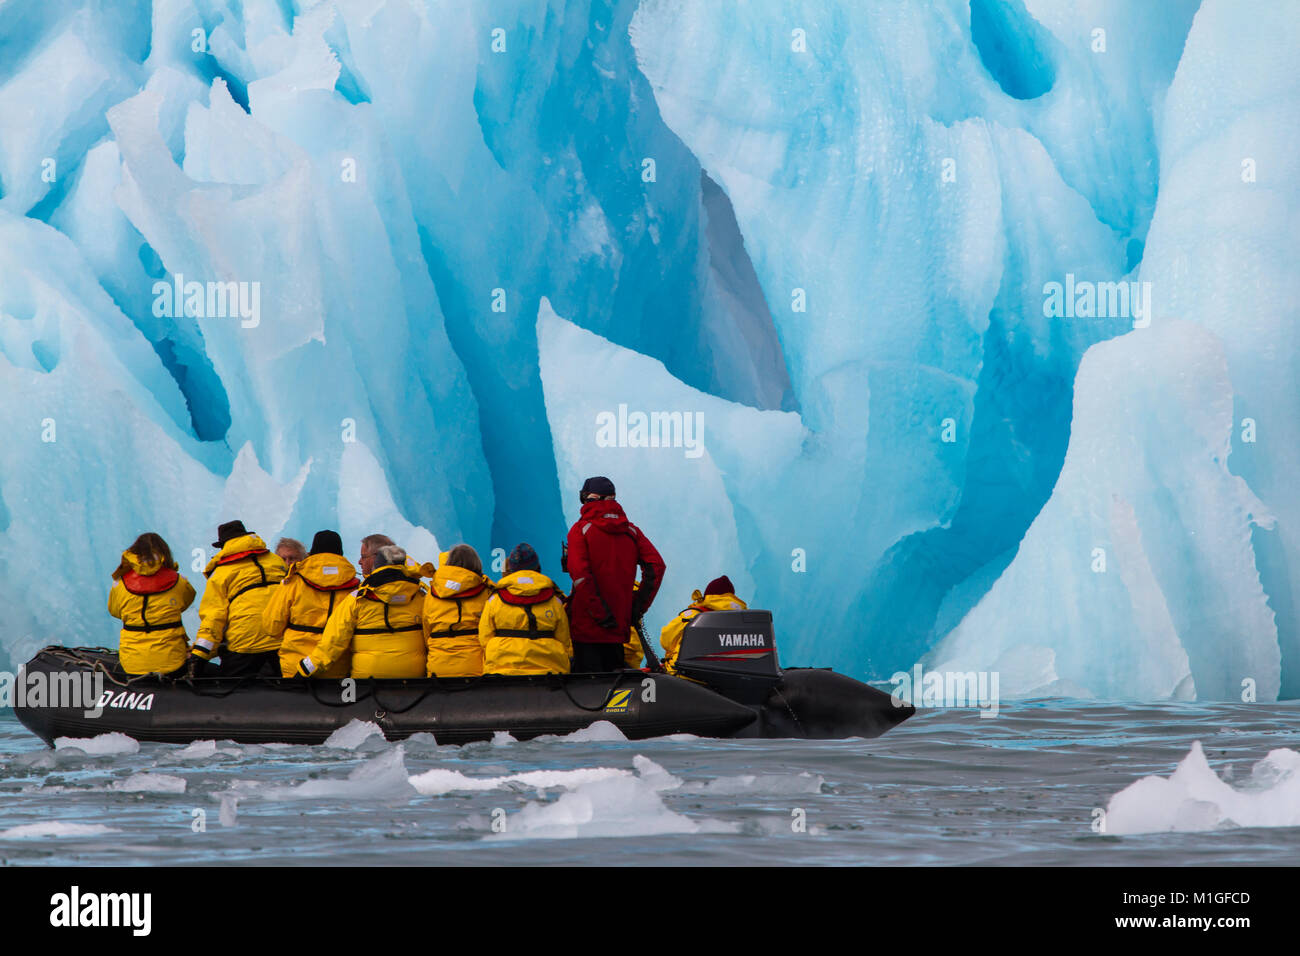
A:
x,y
294,546
389,554
375,541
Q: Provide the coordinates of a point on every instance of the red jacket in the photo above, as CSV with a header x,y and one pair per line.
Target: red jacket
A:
x,y
605,550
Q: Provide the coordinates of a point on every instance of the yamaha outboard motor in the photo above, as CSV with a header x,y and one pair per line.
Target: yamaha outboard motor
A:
x,y
733,652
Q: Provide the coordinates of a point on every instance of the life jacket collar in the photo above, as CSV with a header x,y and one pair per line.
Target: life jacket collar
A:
x,y
161,580
236,549
326,572
456,584
389,581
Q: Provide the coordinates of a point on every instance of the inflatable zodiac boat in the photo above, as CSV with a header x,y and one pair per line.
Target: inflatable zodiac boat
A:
x,y
732,686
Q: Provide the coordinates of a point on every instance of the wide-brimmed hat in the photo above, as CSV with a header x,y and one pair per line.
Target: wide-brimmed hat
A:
x,y
231,529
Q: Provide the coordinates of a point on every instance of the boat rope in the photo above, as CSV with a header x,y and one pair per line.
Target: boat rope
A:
x,y
374,692
564,685
790,710
314,687
72,655
235,684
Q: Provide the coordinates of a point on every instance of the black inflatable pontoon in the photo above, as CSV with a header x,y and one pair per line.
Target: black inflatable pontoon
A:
x,y
737,691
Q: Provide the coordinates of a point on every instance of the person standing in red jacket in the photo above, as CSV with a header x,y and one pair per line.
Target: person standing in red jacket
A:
x,y
604,551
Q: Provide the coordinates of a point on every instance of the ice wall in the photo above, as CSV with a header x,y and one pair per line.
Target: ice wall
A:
x,y
825,228
1183,446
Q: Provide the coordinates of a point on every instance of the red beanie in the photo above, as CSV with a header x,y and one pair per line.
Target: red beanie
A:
x,y
720,585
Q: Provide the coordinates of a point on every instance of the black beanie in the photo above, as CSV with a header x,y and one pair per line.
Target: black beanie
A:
x,y
598,485
326,542
523,558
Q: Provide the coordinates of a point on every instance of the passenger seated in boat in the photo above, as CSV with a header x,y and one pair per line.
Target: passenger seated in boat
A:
x,y
302,605
290,550
720,595
452,610
380,623
148,597
524,629
230,614
369,545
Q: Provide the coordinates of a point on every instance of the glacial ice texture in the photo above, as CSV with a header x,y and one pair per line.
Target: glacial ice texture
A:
x,y
821,231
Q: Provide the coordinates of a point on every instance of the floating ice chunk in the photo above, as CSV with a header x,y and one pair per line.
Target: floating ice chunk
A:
x,y
55,828
423,742
439,781
601,730
229,812
198,750
35,760
1194,798
353,734
101,746
653,775
382,778
620,805
207,749
503,738
150,783
778,784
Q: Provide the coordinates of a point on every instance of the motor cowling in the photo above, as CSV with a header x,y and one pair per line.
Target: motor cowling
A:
x,y
734,652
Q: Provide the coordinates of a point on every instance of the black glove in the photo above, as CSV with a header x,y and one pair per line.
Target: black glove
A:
x,y
607,623
194,666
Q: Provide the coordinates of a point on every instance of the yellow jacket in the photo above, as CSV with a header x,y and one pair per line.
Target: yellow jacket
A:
x,y
526,603
452,611
632,652
239,587
380,622
148,599
671,636
301,606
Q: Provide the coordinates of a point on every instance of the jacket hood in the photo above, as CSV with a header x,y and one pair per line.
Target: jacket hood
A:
x,y
450,581
606,515
393,584
718,602
132,564
328,572
525,583
145,577
244,544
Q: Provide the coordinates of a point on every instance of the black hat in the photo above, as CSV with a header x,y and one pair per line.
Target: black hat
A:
x,y
326,542
231,529
523,558
596,486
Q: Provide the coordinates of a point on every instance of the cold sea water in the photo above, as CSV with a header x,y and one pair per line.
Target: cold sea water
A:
x,y
1029,786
